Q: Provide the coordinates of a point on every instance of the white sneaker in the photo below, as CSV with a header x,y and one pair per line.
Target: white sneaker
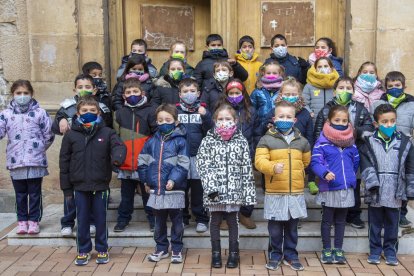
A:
x,y
157,256
201,227
92,229
66,231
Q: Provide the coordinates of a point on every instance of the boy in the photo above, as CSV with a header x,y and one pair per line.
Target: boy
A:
x,y
197,121
87,154
282,155
215,52
134,123
387,168
294,66
138,47
404,105
248,58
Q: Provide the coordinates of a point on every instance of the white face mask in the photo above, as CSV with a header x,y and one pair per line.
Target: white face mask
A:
x,y
221,76
280,51
22,99
324,70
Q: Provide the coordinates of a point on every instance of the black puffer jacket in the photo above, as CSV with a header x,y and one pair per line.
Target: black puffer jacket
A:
x,y
211,92
117,92
165,91
86,159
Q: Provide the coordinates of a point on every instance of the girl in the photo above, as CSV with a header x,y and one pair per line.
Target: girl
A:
x,y
137,68
163,166
319,88
368,88
166,87
223,162
335,161
325,47
29,134
263,97
177,50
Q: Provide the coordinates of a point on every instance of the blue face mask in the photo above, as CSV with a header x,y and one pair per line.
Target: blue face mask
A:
x,y
292,99
388,131
133,100
166,128
88,117
283,126
395,92
339,127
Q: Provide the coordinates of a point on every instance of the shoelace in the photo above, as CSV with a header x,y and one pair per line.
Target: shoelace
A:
x,y
82,256
327,253
102,255
339,253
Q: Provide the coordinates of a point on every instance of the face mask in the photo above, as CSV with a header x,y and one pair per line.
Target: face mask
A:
x,y
83,93
166,128
133,100
339,127
189,98
283,126
343,97
280,51
216,51
88,117
100,84
222,76
395,92
137,72
136,54
324,70
178,56
226,129
245,55
23,99
367,82
176,75
388,131
291,99
235,100
320,53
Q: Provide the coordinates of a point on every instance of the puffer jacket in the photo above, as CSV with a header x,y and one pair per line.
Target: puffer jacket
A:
x,y
165,91
272,149
211,92
405,113
252,67
291,64
29,135
86,158
316,98
344,163
117,99
188,70
163,159
152,69
337,63
263,101
225,167
361,118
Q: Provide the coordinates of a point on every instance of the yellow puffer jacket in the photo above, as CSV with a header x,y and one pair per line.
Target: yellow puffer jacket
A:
x,y
252,67
272,149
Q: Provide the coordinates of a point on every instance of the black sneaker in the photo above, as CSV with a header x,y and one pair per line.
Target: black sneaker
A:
x,y
357,223
120,226
404,222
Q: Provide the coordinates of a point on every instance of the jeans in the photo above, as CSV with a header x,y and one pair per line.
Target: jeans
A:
x,y
177,229
283,239
28,189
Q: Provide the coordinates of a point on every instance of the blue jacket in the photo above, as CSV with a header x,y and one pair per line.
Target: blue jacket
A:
x,y
337,63
326,157
290,63
162,160
263,101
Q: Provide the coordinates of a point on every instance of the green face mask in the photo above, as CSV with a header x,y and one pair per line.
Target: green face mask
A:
x,y
176,75
83,93
178,56
343,97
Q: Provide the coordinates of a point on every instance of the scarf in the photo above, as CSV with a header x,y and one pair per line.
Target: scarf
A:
x,y
140,103
299,104
368,99
342,139
191,108
272,84
319,80
395,102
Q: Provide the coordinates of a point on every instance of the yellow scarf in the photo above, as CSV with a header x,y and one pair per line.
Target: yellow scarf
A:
x,y
320,80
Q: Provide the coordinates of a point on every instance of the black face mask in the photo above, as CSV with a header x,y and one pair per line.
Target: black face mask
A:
x,y
137,55
100,84
339,127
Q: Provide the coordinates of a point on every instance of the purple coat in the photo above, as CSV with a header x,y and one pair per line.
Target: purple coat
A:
x,y
29,135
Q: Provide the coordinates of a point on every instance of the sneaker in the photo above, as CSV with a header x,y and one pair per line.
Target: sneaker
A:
x,y
92,229
338,256
82,259
22,227
201,227
34,227
313,188
158,256
66,231
391,260
326,256
120,226
374,259
247,222
357,223
176,258
273,264
103,258
294,264
404,222
186,223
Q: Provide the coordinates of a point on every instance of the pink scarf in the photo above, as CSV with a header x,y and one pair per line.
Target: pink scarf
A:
x,y
341,138
368,99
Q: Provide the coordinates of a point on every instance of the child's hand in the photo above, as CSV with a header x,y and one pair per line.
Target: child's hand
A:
x,y
232,61
330,176
64,126
147,188
170,185
312,114
269,125
278,168
202,110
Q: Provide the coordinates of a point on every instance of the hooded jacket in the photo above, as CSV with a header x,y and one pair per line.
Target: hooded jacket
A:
x,y
263,101
252,67
165,91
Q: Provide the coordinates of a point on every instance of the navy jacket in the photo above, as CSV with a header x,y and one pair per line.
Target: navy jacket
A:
x,y
211,93
165,91
293,66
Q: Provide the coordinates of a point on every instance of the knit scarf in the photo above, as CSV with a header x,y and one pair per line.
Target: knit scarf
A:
x,y
342,139
191,108
299,104
368,99
395,102
272,83
320,80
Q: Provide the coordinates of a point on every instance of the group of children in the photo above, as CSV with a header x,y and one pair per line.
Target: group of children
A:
x,y
194,141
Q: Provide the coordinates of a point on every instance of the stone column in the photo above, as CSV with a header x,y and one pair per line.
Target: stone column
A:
x,y
224,22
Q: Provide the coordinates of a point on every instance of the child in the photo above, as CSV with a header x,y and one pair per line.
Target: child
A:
x,y
197,121
248,58
325,47
163,166
88,151
138,48
166,87
28,130
387,169
361,121
136,68
223,162
178,50
404,105
282,155
134,123
264,96
320,80
215,52
293,65
368,88
335,161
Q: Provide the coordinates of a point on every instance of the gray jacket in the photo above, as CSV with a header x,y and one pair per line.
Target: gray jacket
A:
x,y
316,98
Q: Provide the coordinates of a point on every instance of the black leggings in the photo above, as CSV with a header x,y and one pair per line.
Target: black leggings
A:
x,y
232,221
333,216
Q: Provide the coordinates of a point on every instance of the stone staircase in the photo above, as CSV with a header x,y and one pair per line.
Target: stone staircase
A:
x,y
138,234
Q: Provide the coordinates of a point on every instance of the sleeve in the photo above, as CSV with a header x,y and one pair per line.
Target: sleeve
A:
x,y
207,122
121,70
152,122
115,123
262,160
46,127
306,94
247,178
240,72
156,99
117,100
152,70
163,69
205,159
64,165
320,120
258,132
366,125
409,172
118,149
198,73
306,155
368,170
60,114
205,98
356,159
144,160
253,98
180,171
318,163
309,131
3,123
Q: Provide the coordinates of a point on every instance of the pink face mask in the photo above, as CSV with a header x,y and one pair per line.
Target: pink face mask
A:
x,y
226,129
321,53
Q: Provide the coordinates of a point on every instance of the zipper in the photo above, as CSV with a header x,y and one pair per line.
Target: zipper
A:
x,y
290,170
132,140
343,168
159,167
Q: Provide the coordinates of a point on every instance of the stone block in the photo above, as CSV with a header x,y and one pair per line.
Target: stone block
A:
x,y
15,54
91,17
361,49
8,28
363,14
8,11
22,20
92,49
54,58
393,16
51,94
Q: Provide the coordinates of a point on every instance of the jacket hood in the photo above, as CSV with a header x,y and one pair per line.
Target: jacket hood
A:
x,y
33,104
208,54
165,81
239,57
